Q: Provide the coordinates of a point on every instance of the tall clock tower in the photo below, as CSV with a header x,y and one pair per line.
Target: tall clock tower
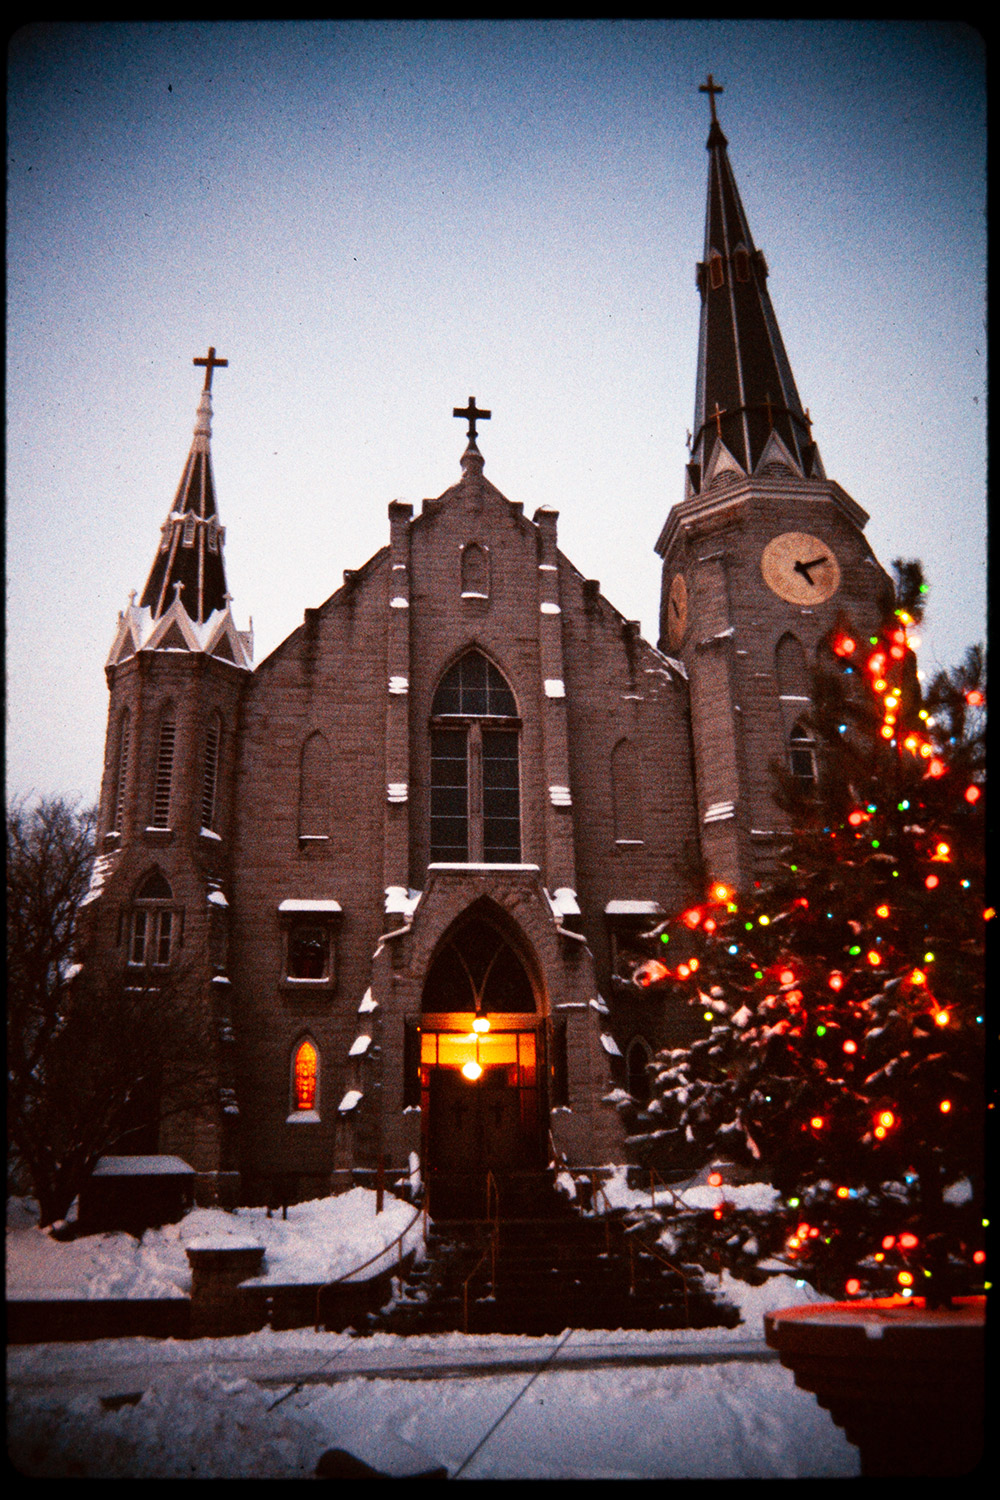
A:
x,y
762,559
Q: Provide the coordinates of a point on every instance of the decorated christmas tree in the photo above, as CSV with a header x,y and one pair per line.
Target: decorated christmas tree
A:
x,y
842,1002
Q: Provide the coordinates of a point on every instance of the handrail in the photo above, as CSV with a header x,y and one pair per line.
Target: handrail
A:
x,y
654,1250
597,1189
492,1194
349,1275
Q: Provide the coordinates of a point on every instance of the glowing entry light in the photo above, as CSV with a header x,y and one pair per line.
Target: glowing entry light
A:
x,y
471,1070
481,1025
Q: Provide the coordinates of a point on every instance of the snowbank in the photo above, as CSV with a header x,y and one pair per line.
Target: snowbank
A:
x,y
319,1241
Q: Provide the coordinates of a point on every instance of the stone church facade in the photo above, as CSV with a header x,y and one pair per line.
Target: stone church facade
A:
x,y
403,857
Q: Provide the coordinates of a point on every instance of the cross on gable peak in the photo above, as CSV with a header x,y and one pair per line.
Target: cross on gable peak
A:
x,y
473,414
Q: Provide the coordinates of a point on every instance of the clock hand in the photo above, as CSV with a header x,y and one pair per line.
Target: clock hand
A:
x,y
804,568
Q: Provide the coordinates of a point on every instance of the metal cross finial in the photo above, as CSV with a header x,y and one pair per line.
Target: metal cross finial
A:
x,y
716,416
211,363
711,88
473,414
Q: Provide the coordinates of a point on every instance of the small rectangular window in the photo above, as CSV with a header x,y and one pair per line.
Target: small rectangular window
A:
x,y
308,951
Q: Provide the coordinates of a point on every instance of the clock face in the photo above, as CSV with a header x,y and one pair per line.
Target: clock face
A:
x,y
677,610
800,568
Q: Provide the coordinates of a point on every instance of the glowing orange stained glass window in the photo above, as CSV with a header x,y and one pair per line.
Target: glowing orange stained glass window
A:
x,y
306,1060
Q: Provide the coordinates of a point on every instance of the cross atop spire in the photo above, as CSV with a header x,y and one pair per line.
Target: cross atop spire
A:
x,y
711,88
211,364
473,414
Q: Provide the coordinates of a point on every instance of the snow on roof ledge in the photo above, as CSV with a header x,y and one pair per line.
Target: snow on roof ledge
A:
x,y
633,909
350,1101
400,901
295,905
141,1166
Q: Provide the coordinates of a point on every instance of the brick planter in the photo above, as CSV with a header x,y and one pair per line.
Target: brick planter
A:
x,y
218,1307
904,1382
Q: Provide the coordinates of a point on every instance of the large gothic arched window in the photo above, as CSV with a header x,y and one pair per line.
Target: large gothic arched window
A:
x,y
475,767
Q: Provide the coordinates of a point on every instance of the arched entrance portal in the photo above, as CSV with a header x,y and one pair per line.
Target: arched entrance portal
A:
x,y
481,1065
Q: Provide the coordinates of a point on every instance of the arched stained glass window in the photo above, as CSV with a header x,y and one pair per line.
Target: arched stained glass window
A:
x,y
305,1077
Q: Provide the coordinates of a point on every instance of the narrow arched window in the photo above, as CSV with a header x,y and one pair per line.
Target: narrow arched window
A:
x,y
475,572
163,784
314,789
305,1077
210,773
626,793
155,930
790,667
716,270
741,263
802,755
475,766
121,772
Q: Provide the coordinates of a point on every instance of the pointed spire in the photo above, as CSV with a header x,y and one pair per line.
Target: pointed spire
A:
x,y
189,563
745,390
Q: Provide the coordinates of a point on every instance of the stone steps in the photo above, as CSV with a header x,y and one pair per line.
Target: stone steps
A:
x,y
555,1270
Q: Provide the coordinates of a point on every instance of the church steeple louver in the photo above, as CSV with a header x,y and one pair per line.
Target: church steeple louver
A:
x,y
745,388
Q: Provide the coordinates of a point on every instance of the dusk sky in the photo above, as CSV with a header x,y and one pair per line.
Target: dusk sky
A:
x,y
373,221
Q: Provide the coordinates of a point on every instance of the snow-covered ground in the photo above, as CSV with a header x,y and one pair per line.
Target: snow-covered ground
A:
x,y
268,1405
